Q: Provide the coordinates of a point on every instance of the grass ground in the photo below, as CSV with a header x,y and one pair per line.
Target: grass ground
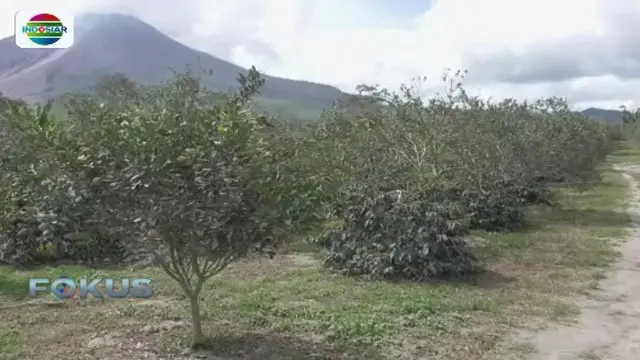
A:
x,y
626,153
289,308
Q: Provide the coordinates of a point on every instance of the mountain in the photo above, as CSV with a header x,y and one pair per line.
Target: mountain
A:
x,y
108,43
608,116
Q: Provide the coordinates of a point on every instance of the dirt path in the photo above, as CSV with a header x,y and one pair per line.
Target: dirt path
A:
x,y
609,325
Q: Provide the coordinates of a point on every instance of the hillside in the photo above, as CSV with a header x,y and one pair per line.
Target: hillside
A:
x,y
608,116
135,48
146,55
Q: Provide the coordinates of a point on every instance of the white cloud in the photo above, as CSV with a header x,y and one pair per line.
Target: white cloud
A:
x,y
521,48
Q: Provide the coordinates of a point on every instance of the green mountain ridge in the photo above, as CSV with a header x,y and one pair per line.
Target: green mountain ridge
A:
x,y
606,115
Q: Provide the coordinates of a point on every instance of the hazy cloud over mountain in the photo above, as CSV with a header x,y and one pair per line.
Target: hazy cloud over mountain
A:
x,y
587,50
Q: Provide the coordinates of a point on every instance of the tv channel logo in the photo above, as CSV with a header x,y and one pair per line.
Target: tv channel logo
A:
x,y
64,288
38,30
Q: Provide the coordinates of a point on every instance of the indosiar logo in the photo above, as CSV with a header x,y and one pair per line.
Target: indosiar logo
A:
x,y
35,29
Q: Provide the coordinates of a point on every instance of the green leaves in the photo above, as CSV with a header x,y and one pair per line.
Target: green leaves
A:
x,y
173,157
488,160
200,168
391,237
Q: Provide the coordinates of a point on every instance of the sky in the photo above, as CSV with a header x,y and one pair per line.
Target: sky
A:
x,y
585,50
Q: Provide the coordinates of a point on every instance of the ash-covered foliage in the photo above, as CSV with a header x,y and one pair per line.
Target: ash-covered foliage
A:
x,y
487,161
396,235
172,175
630,127
174,169
131,166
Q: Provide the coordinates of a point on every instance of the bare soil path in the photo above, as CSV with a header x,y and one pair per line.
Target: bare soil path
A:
x,y
609,325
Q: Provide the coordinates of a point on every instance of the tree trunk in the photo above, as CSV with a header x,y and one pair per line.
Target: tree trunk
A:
x,y
198,335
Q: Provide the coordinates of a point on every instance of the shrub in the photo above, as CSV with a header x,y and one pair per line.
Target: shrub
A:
x,y
391,237
195,180
39,237
486,159
180,176
41,204
495,212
